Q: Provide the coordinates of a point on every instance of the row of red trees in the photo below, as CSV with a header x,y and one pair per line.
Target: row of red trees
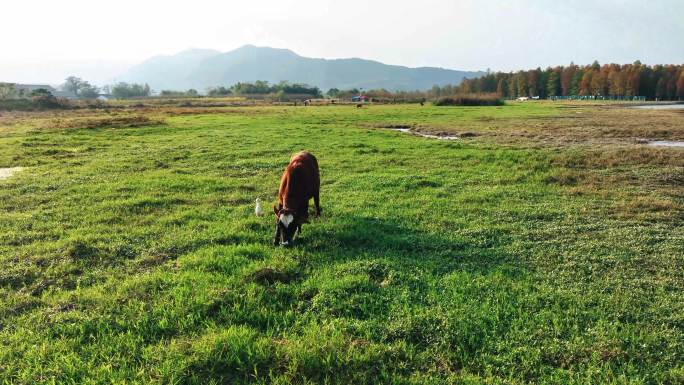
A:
x,y
662,82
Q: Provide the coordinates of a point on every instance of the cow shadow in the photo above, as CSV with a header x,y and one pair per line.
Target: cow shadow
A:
x,y
349,238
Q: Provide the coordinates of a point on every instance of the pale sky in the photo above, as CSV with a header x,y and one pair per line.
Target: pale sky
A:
x,y
44,41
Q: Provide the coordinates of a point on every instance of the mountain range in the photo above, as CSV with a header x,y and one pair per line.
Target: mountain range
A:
x,y
202,69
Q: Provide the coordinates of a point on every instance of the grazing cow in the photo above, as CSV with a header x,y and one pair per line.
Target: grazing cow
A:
x,y
301,181
359,105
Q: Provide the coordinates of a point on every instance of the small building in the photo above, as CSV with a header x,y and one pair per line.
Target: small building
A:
x,y
26,89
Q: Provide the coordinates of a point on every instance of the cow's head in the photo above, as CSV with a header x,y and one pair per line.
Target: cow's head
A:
x,y
286,226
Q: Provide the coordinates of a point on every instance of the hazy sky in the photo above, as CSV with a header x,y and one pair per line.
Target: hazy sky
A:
x,y
47,40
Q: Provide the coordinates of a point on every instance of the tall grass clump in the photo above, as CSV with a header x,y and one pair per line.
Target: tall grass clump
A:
x,y
469,100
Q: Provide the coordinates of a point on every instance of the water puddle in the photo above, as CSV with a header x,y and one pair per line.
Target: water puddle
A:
x,y
416,133
660,107
666,143
8,171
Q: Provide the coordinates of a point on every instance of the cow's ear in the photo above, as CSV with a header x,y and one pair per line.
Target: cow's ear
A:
x,y
275,209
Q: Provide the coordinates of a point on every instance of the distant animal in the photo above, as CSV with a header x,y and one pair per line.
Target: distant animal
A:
x,y
257,208
359,105
422,104
300,182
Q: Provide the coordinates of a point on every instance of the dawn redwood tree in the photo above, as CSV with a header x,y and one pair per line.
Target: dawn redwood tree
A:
x,y
595,66
633,78
615,86
661,88
522,84
502,88
513,86
575,82
567,76
553,85
599,82
646,81
534,83
636,79
672,83
585,83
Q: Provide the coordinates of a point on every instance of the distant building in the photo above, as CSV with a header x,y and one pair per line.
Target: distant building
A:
x,y
25,89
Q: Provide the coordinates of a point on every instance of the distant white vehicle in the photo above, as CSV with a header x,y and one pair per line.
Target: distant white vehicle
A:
x,y
522,98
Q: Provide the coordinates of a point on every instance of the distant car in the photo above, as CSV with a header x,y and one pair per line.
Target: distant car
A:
x,y
522,98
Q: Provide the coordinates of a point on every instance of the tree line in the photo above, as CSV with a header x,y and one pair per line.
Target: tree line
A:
x,y
658,82
261,87
80,88
84,89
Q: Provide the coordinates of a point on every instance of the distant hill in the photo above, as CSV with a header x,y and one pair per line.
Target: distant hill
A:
x,y
202,69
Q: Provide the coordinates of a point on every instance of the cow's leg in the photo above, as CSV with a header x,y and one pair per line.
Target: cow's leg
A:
x,y
317,202
305,211
299,229
276,239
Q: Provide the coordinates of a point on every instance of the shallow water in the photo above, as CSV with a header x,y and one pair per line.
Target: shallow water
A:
x,y
661,107
8,171
408,131
666,143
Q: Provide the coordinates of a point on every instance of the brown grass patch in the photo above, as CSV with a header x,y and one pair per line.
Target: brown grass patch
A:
x,y
649,203
613,157
649,207
584,124
105,122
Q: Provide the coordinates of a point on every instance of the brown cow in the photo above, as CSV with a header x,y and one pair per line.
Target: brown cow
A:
x,y
301,181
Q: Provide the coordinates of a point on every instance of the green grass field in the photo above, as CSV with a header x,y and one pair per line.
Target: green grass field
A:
x,y
132,254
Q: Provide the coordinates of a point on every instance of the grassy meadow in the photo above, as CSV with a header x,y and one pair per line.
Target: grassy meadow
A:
x,y
544,246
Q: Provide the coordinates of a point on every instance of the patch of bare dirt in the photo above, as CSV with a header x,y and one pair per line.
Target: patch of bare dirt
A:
x,y
7,172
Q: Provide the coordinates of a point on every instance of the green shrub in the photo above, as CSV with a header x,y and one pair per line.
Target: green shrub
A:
x,y
46,101
39,102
